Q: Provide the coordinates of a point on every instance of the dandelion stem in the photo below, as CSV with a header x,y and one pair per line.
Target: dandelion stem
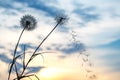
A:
x,y
18,42
39,47
45,38
15,50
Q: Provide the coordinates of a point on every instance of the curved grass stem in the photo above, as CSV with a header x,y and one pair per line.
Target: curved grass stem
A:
x,y
15,50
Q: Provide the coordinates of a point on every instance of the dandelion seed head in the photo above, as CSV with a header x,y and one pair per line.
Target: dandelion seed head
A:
x,y
61,19
28,22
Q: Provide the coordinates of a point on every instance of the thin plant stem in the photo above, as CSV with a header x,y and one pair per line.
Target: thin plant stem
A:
x,y
39,47
15,50
45,38
16,71
24,58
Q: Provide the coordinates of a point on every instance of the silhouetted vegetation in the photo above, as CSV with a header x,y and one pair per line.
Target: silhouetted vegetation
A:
x,y
29,23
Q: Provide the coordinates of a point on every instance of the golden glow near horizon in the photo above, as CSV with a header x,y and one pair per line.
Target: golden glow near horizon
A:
x,y
69,69
57,74
54,73
49,73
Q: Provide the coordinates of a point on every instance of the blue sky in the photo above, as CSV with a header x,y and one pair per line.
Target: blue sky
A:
x,y
95,24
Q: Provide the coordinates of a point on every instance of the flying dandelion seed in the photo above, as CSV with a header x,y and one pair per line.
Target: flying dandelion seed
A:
x,y
28,22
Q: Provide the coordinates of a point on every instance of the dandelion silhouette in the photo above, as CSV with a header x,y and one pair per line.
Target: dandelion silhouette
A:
x,y
61,18
29,23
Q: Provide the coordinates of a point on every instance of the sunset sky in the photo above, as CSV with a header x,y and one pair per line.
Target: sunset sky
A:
x,y
93,25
